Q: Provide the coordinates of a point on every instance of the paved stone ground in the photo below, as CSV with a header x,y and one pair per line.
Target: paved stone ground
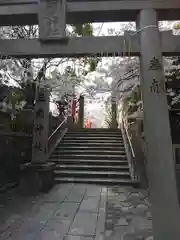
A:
x,y
76,212
128,214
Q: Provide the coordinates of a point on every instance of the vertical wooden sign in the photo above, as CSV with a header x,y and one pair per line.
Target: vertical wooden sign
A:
x,y
52,19
41,126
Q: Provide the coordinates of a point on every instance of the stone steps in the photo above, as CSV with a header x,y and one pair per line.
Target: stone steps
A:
x,y
92,137
96,167
89,161
92,156
88,156
89,152
92,174
104,181
93,144
100,130
94,141
94,134
89,148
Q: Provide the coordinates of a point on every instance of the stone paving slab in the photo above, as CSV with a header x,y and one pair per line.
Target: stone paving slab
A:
x,y
90,205
84,224
77,212
56,228
100,226
49,235
76,195
93,191
72,237
58,193
66,210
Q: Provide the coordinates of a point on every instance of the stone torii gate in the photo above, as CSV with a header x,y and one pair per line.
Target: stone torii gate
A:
x,y
148,43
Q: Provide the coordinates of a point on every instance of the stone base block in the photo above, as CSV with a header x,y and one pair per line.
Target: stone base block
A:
x,y
37,177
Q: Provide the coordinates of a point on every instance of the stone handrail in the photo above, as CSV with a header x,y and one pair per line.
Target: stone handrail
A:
x,y
129,151
56,136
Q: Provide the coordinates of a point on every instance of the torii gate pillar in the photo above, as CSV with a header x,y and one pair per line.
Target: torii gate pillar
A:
x,y
160,162
38,175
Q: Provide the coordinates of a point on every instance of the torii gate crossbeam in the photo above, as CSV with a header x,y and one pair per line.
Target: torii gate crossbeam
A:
x,y
20,12
126,45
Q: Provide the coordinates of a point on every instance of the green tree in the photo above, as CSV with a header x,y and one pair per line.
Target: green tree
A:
x,y
83,29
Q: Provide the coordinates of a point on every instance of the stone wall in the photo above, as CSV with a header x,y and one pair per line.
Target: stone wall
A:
x,y
16,146
15,150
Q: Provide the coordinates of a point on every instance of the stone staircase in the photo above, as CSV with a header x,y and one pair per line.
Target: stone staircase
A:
x,y
92,156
